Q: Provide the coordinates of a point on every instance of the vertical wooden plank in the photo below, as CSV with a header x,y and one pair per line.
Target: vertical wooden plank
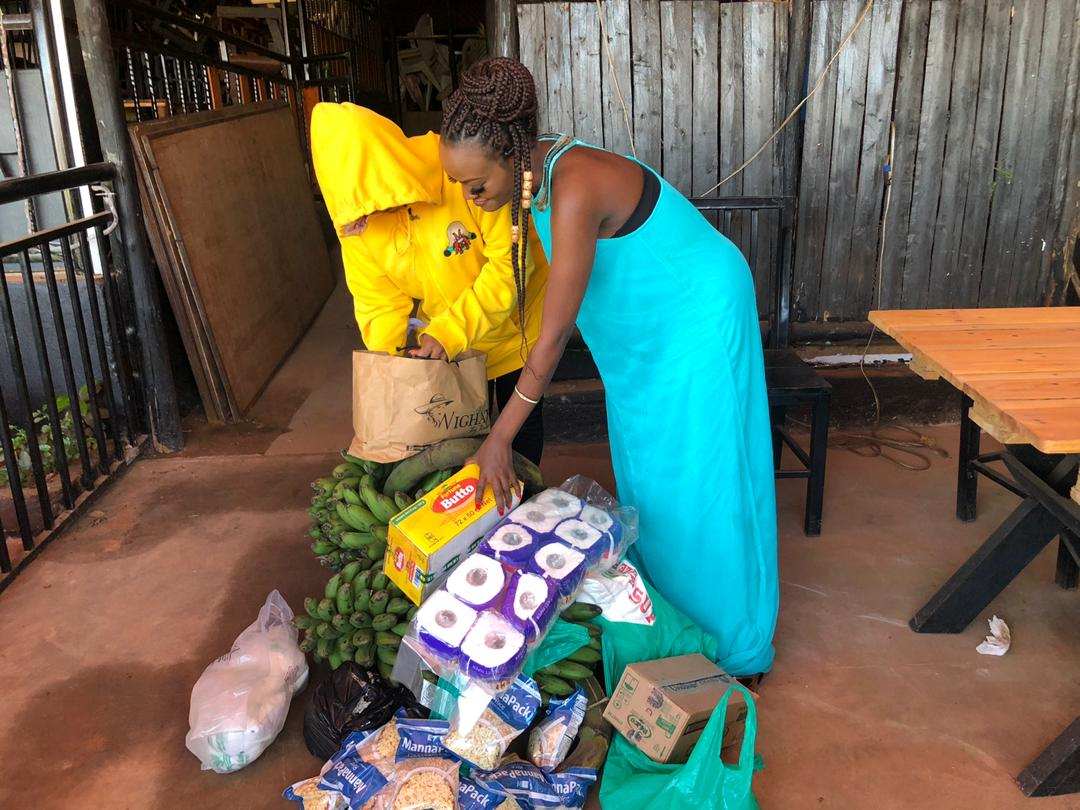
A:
x,y
615,55
676,19
731,98
880,81
981,172
844,169
825,37
647,92
931,152
560,94
911,64
502,31
705,120
1025,45
585,73
1064,214
759,83
797,37
1036,241
945,283
731,145
532,47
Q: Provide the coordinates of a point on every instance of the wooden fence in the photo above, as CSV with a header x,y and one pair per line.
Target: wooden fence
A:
x,y
981,94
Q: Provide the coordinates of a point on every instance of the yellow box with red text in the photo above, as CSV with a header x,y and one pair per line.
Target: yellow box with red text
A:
x,y
428,539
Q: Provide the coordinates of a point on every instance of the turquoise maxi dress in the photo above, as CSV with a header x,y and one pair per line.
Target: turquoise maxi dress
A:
x,y
671,319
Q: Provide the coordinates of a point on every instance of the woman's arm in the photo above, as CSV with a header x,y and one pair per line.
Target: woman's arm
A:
x,y
575,227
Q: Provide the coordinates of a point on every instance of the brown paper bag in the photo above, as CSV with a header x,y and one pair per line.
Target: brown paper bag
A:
x,y
403,404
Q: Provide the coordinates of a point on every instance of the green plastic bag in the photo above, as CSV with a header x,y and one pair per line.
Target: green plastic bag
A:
x,y
632,781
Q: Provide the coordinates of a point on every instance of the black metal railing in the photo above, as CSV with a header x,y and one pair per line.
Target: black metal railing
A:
x,y
173,63
64,322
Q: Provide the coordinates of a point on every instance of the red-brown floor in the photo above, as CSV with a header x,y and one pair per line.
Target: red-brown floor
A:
x,y
106,632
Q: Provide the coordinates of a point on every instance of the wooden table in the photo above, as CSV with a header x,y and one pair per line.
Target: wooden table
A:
x,y
1019,373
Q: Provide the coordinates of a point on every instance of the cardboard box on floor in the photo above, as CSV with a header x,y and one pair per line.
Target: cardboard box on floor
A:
x,y
662,706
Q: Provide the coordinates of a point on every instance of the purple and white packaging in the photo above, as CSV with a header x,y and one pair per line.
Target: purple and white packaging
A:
x,y
509,543
443,621
560,502
529,604
563,565
478,581
608,525
587,539
493,649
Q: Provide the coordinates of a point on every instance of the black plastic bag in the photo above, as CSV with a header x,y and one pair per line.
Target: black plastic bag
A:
x,y
351,698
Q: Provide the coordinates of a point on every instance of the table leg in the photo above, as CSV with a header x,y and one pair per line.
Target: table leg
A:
x,y
967,482
984,575
1056,771
1068,560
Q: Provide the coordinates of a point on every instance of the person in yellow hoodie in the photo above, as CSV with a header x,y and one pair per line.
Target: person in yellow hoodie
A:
x,y
408,235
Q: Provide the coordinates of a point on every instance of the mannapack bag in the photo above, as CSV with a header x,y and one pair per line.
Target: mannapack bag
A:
x,y
632,781
402,405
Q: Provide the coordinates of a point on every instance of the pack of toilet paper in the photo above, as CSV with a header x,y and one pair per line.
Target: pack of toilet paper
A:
x,y
500,600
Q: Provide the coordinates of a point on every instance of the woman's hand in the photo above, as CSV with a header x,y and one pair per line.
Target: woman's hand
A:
x,y
429,348
496,462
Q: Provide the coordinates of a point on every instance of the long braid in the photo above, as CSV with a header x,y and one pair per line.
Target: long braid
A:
x,y
495,104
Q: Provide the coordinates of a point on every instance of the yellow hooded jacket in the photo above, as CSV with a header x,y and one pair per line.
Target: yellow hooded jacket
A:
x,y
438,249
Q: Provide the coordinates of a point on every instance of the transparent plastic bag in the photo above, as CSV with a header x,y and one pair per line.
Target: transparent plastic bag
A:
x,y
500,602
239,703
483,741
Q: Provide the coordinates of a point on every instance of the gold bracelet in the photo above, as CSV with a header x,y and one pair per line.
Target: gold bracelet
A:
x,y
525,398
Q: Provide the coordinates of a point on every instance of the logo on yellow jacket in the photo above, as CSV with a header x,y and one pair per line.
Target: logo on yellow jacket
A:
x,y
458,239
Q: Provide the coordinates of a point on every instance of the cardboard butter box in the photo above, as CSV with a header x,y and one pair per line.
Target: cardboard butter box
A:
x,y
662,706
428,539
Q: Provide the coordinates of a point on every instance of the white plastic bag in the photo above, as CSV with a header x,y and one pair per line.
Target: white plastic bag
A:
x,y
620,593
239,703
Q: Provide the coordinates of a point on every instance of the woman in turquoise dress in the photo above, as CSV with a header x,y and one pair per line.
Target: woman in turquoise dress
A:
x,y
666,305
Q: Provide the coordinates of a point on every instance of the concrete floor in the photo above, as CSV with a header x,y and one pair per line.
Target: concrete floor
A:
x,y
107,631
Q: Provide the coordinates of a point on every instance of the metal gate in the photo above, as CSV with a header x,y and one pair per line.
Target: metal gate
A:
x,y
70,409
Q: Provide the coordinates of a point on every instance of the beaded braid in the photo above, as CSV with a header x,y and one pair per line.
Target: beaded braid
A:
x,y
495,104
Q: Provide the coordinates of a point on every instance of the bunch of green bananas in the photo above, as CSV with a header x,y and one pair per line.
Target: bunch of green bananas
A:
x,y
350,515
559,680
362,617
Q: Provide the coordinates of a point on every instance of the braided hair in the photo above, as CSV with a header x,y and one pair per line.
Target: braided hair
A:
x,y
495,104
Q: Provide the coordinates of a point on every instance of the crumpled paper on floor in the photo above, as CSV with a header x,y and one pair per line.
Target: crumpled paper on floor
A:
x,y
997,643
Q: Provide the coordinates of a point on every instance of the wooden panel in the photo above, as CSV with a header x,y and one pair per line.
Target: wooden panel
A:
x,y
676,19
881,79
844,169
560,92
705,41
896,320
968,363
926,192
1061,218
981,167
533,49
254,249
1024,337
1034,227
731,145
911,64
945,281
618,123
585,73
761,176
825,35
1024,47
648,104
1046,389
